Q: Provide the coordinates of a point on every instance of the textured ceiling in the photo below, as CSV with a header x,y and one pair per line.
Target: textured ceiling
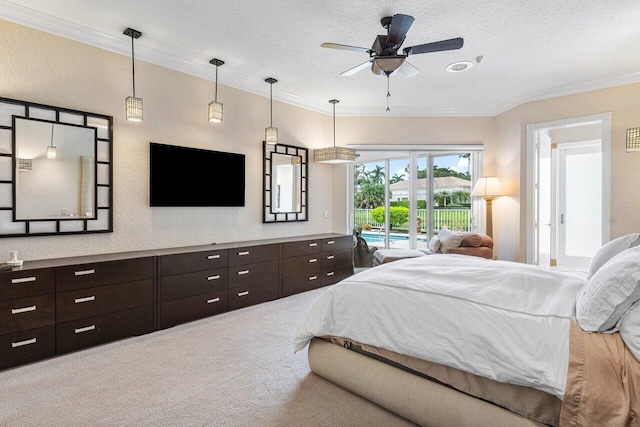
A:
x,y
531,49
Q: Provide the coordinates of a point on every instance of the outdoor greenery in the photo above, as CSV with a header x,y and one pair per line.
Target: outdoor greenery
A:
x,y
398,215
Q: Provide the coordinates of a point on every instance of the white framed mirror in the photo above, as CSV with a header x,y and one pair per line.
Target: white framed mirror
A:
x,y
57,170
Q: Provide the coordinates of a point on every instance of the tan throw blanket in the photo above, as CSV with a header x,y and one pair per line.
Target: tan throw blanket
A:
x,y
603,382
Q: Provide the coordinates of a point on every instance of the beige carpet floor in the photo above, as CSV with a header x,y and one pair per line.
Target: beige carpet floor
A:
x,y
235,369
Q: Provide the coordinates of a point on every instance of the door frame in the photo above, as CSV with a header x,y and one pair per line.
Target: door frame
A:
x,y
604,119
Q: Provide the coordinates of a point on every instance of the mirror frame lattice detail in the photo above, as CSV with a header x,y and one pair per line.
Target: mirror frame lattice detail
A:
x,y
10,109
268,214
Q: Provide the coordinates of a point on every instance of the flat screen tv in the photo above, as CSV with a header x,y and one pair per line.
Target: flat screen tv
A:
x,y
184,176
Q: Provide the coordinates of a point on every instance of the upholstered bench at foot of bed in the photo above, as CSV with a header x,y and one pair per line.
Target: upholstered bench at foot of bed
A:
x,y
383,256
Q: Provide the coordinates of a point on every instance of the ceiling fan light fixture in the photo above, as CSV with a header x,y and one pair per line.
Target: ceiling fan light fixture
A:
x,y
460,66
388,64
334,154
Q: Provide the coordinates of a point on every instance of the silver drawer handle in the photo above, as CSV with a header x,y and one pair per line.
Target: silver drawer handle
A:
x,y
330,242
212,300
85,299
23,280
331,273
313,277
21,343
85,272
311,245
213,256
216,277
23,310
241,272
243,253
330,257
241,294
85,329
313,260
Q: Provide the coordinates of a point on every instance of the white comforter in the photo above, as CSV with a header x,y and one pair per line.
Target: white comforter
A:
x,y
502,320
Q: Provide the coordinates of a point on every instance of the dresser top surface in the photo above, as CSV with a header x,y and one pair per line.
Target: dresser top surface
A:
x,y
230,245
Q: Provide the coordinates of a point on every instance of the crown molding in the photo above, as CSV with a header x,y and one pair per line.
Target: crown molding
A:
x,y
120,44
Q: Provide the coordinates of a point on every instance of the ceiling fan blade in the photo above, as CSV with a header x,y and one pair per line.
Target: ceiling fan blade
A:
x,y
345,47
450,44
406,70
398,29
355,69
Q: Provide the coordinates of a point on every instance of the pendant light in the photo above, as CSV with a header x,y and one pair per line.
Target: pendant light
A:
x,y
334,154
215,107
51,149
133,104
271,133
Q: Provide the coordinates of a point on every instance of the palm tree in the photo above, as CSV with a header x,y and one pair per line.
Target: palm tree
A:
x,y
396,178
461,197
376,176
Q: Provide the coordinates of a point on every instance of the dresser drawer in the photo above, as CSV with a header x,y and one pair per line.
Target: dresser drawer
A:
x,y
245,296
188,309
253,254
192,284
302,282
337,243
304,247
27,346
103,273
78,334
102,300
301,264
251,273
29,283
337,274
27,313
194,261
334,259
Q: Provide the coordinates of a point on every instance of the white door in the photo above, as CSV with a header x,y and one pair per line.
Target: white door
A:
x,y
579,209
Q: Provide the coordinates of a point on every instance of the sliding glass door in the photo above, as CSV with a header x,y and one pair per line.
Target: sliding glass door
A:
x,y
402,198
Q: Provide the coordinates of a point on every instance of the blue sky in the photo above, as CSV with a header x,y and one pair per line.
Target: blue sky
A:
x,y
453,162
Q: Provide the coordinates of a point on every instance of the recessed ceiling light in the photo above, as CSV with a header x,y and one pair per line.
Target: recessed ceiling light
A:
x,y
457,67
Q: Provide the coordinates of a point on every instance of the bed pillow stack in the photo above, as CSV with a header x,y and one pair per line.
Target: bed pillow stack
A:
x,y
610,292
611,249
448,239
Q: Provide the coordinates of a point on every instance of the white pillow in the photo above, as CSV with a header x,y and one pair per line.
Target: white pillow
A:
x,y
630,330
610,292
448,239
611,249
434,244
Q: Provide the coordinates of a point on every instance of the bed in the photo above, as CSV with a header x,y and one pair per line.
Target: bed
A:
x,y
459,340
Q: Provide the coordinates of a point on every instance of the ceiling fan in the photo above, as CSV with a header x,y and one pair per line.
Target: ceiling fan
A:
x,y
384,57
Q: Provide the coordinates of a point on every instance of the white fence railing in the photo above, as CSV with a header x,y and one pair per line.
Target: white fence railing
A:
x,y
455,219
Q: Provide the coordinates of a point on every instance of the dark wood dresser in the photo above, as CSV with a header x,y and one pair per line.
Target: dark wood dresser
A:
x,y
200,281
62,305
57,306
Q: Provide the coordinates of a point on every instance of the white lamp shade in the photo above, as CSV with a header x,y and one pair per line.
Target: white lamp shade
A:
x,y
215,112
134,109
271,135
51,152
489,186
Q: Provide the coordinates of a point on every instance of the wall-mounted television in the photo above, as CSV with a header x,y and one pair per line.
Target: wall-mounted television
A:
x,y
185,176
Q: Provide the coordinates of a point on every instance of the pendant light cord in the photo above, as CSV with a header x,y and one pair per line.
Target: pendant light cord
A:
x,y
216,93
52,126
271,102
334,125
133,67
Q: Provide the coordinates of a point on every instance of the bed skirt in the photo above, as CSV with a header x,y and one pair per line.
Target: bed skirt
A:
x,y
415,398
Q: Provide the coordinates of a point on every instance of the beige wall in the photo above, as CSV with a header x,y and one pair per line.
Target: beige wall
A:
x,y
622,103
43,68
47,69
